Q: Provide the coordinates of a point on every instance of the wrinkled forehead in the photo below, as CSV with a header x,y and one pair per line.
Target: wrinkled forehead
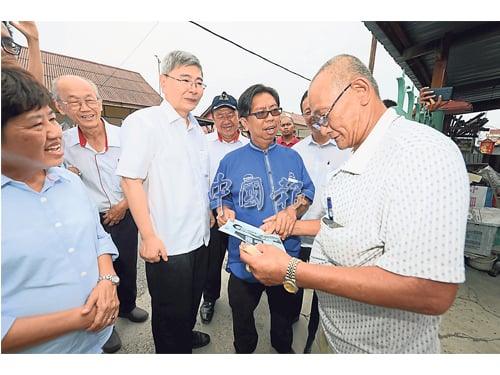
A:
x,y
320,92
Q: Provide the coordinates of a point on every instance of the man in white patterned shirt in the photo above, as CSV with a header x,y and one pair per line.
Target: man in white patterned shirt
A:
x,y
389,263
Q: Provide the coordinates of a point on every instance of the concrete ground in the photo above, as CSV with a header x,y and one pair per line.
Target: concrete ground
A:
x,y
471,326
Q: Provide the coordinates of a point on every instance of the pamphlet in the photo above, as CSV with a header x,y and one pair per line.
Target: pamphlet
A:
x,y
250,234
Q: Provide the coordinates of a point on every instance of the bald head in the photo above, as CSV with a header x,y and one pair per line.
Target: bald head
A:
x,y
344,68
65,83
344,99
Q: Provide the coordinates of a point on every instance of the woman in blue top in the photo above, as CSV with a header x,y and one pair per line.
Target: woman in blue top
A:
x,y
58,292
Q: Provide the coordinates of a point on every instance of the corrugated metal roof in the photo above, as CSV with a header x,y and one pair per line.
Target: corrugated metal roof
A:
x,y
469,50
117,86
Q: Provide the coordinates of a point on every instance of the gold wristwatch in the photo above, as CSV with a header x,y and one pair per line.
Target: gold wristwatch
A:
x,y
290,284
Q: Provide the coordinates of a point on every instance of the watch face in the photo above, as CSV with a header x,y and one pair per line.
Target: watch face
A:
x,y
290,286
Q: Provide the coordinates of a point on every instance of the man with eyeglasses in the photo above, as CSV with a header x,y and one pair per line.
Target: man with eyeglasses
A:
x,y
11,50
165,169
225,138
253,183
387,264
287,127
92,147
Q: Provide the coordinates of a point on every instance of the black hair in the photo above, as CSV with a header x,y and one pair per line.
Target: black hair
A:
x,y
303,98
245,100
389,103
21,92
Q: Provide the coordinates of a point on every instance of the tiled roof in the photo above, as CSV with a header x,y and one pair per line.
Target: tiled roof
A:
x,y
117,86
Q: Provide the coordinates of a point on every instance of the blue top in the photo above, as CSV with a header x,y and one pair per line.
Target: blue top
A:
x,y
50,243
257,184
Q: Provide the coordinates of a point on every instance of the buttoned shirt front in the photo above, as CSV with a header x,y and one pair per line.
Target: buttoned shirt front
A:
x,y
173,160
401,201
50,244
98,167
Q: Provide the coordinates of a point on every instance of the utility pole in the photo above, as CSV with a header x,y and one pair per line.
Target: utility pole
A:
x,y
371,64
159,62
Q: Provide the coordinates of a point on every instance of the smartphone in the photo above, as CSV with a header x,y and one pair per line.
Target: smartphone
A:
x,y
445,92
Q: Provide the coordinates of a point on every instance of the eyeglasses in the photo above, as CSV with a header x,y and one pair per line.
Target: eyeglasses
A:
x,y
188,84
318,122
77,104
263,114
10,46
228,115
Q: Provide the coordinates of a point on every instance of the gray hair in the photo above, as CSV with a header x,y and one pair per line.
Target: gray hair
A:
x,y
55,91
179,58
345,68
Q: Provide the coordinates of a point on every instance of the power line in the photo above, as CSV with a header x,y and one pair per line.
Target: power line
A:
x,y
130,54
247,50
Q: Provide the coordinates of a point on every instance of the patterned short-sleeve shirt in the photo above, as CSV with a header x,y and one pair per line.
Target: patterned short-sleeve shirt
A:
x,y
402,203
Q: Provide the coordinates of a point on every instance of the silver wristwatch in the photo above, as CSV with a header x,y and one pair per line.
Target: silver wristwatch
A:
x,y
115,280
290,284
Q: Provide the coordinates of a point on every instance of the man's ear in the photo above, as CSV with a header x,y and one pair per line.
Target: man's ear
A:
x,y
60,108
363,90
244,123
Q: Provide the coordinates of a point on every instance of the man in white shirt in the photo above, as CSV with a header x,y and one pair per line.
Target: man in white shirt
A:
x,y
226,137
165,170
92,148
388,263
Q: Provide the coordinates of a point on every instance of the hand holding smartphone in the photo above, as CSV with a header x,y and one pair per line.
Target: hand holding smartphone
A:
x,y
445,93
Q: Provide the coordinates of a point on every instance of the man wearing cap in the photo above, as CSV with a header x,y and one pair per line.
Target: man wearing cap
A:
x,y
226,137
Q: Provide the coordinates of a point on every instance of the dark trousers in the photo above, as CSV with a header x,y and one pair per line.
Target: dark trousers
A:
x,y
175,288
244,298
216,251
124,236
312,326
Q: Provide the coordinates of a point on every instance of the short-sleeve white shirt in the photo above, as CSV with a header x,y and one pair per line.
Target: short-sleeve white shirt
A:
x,y
218,148
173,161
402,200
98,167
320,162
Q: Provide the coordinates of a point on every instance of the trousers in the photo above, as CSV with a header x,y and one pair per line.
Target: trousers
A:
x,y
244,298
216,251
125,237
175,288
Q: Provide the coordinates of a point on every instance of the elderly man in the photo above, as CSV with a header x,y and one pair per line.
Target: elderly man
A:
x,y
252,183
387,261
165,170
226,137
92,149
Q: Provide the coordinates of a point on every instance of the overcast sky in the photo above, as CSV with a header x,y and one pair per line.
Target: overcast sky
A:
x,y
299,47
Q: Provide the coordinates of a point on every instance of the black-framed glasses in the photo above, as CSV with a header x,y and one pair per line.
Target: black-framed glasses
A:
x,y
318,122
188,84
77,104
10,46
263,114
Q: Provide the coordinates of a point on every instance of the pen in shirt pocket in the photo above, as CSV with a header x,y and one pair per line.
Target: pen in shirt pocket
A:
x,y
329,208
